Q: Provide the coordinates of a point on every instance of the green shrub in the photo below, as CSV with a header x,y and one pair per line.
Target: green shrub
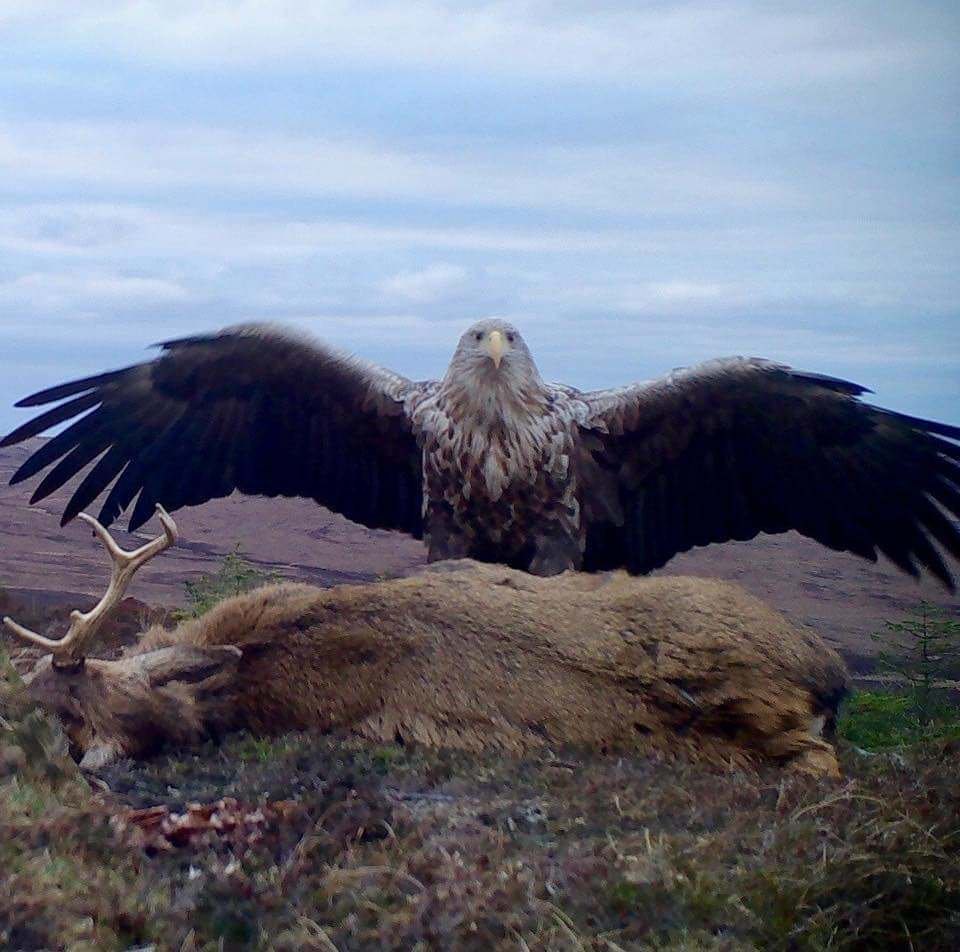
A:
x,y
234,577
922,653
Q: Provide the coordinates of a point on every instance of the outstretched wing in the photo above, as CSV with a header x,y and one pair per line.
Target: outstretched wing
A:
x,y
253,408
735,447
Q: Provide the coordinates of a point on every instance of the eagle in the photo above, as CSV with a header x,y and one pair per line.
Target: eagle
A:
x,y
493,463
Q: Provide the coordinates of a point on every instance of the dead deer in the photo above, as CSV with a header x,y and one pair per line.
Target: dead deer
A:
x,y
464,655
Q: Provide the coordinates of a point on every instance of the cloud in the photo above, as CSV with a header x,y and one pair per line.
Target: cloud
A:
x,y
135,231
638,185
428,284
684,293
80,291
724,43
160,157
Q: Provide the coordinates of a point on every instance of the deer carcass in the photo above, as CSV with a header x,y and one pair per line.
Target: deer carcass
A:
x,y
465,655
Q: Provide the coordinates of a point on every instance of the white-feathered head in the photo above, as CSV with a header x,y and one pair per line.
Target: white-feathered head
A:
x,y
492,352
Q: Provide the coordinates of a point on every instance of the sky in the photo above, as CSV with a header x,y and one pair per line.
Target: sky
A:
x,y
637,185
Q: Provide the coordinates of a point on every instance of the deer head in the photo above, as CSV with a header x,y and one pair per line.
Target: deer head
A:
x,y
128,706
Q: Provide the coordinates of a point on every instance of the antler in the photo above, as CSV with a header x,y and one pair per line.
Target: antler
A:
x,y
84,625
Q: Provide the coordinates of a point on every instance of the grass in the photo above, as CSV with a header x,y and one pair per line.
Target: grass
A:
x,y
884,721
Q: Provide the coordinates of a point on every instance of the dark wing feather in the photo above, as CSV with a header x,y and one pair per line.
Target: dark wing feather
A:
x,y
735,447
252,408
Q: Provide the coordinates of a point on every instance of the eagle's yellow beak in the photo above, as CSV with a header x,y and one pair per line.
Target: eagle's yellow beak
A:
x,y
495,347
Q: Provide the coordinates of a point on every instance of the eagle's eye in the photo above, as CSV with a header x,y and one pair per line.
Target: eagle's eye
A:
x,y
478,336
511,337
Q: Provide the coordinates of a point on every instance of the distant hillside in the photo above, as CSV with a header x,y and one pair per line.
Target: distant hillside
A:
x,y
842,597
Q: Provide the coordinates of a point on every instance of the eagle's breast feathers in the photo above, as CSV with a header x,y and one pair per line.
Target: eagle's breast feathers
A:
x,y
499,466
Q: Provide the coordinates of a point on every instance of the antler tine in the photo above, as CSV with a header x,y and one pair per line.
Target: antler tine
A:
x,y
30,636
137,557
84,625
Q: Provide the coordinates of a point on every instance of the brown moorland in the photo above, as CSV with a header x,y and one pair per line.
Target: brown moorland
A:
x,y
843,598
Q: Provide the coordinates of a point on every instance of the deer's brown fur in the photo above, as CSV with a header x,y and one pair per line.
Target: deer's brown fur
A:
x,y
474,656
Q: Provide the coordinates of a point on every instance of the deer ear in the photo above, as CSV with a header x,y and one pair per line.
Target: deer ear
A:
x,y
190,664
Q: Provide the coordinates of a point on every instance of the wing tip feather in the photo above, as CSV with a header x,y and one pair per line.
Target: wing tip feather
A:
x,y
19,476
837,384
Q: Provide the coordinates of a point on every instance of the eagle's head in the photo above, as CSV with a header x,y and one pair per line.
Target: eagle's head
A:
x,y
493,352
492,377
